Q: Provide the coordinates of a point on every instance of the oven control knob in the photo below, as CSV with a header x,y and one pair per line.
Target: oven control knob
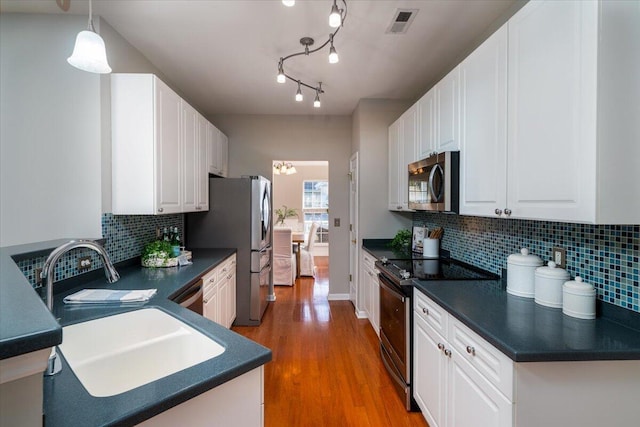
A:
x,y
405,274
384,260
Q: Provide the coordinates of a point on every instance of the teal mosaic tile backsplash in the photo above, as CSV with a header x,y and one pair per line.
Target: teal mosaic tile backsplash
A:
x,y
603,255
125,237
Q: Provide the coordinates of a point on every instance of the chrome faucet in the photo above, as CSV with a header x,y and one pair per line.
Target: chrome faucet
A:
x,y
54,366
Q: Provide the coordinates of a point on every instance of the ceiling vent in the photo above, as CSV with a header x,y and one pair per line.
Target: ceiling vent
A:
x,y
401,21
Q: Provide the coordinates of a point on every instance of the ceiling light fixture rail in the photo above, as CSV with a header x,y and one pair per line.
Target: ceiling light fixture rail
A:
x,y
336,20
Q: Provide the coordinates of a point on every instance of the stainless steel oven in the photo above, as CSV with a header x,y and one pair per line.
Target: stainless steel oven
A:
x,y
434,183
395,335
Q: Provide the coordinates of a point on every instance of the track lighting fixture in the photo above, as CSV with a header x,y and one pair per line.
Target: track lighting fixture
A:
x,y
89,53
307,42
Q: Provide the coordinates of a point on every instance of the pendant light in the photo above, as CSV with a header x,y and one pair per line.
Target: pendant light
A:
x,y
289,3
299,96
281,77
316,102
335,18
89,53
333,55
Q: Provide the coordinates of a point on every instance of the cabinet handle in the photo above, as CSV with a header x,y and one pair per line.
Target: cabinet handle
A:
x,y
198,208
498,211
447,352
471,350
399,208
160,209
440,346
229,276
507,212
425,311
205,301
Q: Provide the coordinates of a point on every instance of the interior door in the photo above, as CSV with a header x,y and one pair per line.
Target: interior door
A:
x,y
353,229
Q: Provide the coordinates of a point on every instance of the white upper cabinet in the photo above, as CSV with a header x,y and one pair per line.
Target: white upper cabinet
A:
x,y
483,127
218,156
146,150
202,189
571,123
223,154
427,124
395,152
403,149
190,162
158,158
448,112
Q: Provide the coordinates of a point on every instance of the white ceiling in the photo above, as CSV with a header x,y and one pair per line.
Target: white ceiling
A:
x,y
223,54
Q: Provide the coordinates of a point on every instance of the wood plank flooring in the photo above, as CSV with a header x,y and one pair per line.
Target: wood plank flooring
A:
x,y
326,368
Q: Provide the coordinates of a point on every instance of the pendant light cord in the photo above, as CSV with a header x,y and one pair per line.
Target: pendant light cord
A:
x,y
90,23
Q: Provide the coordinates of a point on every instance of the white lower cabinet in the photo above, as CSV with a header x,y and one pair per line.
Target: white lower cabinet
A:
x,y
460,380
219,288
448,388
238,402
370,290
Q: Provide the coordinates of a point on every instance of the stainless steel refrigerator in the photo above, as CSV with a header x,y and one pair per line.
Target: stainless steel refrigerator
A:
x,y
239,217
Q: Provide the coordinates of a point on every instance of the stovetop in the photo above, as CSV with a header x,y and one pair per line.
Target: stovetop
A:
x,y
417,267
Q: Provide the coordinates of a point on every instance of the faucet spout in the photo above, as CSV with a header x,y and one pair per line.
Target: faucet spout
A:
x,y
48,272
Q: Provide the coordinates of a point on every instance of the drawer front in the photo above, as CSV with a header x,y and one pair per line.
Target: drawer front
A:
x,y
431,312
368,260
209,279
494,365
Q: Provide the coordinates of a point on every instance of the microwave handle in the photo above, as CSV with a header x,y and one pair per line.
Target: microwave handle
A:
x,y
432,191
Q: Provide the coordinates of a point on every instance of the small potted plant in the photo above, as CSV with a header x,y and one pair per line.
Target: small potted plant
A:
x,y
283,213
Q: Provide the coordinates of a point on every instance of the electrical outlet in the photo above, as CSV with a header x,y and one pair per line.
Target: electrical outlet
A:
x,y
559,256
84,263
38,278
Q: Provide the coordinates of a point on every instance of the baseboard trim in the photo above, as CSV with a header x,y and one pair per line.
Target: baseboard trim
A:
x,y
338,297
361,314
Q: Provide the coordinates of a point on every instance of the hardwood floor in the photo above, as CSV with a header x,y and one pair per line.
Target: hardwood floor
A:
x,y
326,368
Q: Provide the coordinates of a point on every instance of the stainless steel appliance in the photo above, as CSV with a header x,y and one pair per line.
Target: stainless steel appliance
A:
x,y
396,325
239,217
434,183
191,297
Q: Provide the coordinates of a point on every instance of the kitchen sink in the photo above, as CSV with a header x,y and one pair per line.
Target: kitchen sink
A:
x,y
118,353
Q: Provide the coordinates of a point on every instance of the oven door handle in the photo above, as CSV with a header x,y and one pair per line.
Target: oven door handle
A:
x,y
393,292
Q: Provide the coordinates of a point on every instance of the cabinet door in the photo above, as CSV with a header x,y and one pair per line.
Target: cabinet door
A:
x,y
552,118
202,158
395,153
429,372
410,136
189,157
210,301
366,293
483,139
223,302
232,295
375,302
168,153
212,149
448,112
427,124
223,154
471,400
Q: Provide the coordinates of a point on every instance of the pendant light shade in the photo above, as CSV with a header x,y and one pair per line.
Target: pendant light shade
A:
x,y
281,77
299,96
335,18
289,3
89,53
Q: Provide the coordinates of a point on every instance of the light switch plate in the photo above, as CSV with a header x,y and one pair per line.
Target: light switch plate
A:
x,y
336,222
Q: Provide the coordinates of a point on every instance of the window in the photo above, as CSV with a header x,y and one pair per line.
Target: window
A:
x,y
315,207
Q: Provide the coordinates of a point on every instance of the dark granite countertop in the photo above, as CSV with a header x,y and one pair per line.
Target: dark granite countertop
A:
x,y
66,402
526,331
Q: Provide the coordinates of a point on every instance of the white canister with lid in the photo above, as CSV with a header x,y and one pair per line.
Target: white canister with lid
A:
x,y
548,285
521,270
579,299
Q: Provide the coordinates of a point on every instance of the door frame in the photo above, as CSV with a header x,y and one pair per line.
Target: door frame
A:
x,y
354,212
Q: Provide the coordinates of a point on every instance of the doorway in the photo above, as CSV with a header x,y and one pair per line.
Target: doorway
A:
x,y
300,196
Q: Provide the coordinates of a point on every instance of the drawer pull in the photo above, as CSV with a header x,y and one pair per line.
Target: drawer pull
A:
x,y
447,352
425,310
471,350
440,346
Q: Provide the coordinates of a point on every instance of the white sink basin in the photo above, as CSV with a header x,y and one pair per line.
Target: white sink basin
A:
x,y
115,354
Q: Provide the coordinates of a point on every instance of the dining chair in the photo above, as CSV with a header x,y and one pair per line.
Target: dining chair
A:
x,y
284,260
307,266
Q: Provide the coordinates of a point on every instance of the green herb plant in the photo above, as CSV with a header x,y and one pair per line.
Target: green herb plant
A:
x,y
402,240
283,213
156,250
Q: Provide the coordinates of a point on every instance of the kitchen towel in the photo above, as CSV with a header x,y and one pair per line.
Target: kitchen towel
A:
x,y
101,296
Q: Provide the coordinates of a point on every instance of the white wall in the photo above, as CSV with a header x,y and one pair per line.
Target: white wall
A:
x,y
49,133
371,120
256,140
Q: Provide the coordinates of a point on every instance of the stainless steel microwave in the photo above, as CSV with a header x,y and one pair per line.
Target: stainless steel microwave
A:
x,y
434,183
